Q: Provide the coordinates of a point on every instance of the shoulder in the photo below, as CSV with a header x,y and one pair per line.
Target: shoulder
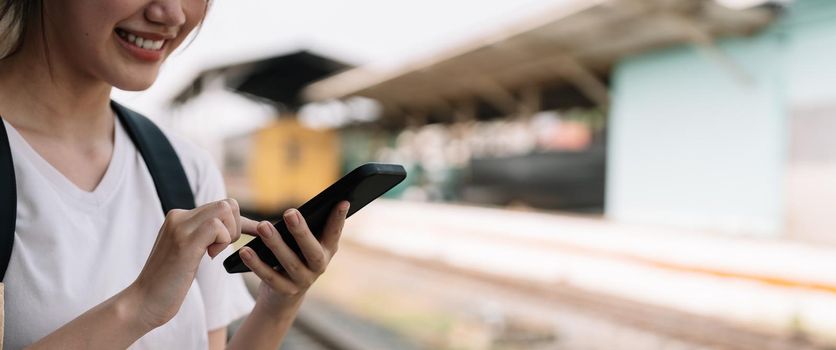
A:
x,y
196,160
200,167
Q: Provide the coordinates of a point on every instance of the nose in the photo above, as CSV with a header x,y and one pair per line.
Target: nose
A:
x,y
166,12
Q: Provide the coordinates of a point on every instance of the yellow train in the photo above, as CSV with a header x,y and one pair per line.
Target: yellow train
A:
x,y
280,166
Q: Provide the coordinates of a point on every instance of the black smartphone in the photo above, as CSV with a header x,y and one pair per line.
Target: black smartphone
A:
x,y
359,187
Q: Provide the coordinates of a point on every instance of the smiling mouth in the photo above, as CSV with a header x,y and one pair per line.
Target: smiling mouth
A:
x,y
140,42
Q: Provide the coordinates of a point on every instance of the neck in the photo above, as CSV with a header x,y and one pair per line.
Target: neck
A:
x,y
49,97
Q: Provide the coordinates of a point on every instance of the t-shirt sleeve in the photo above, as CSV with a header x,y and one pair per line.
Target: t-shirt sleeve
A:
x,y
225,296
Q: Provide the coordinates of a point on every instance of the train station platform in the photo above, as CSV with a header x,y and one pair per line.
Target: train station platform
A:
x,y
774,286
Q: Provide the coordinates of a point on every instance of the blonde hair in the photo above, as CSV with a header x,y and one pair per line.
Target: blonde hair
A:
x,y
14,15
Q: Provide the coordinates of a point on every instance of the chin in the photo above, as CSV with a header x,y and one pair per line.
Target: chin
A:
x,y
137,84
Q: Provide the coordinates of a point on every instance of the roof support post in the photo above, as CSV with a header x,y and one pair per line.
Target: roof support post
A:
x,y
531,101
465,111
584,79
706,44
416,119
496,94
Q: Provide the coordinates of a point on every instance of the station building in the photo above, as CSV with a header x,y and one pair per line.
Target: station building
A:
x,y
718,119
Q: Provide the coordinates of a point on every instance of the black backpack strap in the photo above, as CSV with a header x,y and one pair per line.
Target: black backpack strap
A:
x,y
163,163
8,201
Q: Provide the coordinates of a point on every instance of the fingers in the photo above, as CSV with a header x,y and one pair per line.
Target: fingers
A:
x,y
334,227
295,267
271,277
249,227
236,215
207,212
310,246
215,228
226,211
215,224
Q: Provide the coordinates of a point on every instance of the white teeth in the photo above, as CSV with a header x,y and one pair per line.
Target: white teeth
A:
x,y
146,44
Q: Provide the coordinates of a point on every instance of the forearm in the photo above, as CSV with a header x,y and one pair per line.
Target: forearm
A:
x,y
266,326
113,324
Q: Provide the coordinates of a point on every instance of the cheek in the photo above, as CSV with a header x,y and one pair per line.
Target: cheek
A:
x,y
62,20
78,27
195,11
86,46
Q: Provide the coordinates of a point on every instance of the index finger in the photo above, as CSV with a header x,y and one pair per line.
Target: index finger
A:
x,y
334,227
236,213
249,226
206,212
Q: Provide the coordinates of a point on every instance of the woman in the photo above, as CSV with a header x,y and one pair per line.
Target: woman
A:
x,y
95,264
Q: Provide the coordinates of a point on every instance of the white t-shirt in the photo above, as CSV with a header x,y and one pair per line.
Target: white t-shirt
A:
x,y
74,249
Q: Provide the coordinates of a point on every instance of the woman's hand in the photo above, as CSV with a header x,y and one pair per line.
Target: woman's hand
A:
x,y
186,235
280,291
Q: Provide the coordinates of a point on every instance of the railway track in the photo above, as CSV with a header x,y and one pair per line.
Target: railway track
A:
x,y
581,319
299,338
321,326
306,335
687,330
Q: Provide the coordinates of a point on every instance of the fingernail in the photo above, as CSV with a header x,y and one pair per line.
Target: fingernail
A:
x,y
345,207
247,253
263,230
291,218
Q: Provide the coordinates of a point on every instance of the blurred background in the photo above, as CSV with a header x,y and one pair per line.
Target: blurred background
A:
x,y
583,174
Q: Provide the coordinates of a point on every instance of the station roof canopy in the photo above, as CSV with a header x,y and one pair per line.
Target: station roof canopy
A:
x,y
279,79
575,43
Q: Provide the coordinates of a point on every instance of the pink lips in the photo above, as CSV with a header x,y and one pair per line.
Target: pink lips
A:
x,y
139,53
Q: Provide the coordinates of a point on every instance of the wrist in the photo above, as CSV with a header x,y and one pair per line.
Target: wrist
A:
x,y
127,310
131,306
278,309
